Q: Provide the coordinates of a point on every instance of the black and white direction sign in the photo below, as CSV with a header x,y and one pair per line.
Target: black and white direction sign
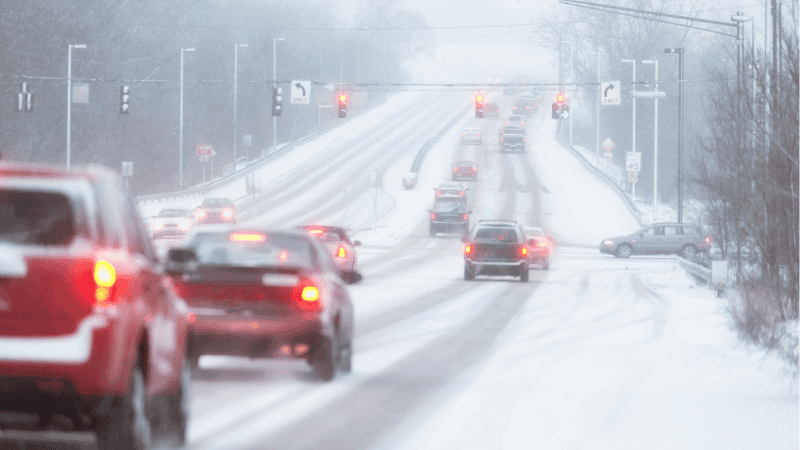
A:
x,y
301,91
609,92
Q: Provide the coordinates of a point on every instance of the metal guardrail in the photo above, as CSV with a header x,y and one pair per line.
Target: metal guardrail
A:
x,y
423,151
236,176
700,274
714,278
597,172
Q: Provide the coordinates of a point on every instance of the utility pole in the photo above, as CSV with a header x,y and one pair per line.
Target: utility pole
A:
x,y
633,126
235,84
655,145
275,86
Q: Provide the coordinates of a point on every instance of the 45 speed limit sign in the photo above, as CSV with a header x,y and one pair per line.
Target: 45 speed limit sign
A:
x,y
633,162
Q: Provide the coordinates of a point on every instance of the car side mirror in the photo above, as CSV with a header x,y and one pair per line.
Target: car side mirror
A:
x,y
464,239
180,260
356,243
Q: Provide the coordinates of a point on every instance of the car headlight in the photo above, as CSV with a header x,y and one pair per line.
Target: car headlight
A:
x,y
157,225
186,224
608,242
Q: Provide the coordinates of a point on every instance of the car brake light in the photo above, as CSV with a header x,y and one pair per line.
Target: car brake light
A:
x,y
310,294
455,169
543,243
307,295
341,253
708,240
502,140
474,169
461,193
468,249
465,216
227,213
248,237
523,250
433,216
104,277
283,255
438,193
315,231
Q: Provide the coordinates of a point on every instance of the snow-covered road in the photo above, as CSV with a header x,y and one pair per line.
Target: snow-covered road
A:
x,y
596,353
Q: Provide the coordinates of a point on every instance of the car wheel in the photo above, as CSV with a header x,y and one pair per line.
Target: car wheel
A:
x,y
179,404
126,426
688,252
466,230
323,361
469,273
524,275
624,251
432,232
346,356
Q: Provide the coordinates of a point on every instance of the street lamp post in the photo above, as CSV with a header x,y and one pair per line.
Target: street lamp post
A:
x,y
633,145
180,131
275,86
571,90
679,51
69,100
599,100
655,144
235,85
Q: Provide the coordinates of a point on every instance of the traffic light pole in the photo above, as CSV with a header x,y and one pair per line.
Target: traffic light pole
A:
x,y
633,127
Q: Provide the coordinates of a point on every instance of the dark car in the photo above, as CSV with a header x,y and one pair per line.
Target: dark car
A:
x,y
496,247
264,294
684,239
491,110
341,249
512,142
448,217
173,223
92,335
523,107
539,247
216,210
465,170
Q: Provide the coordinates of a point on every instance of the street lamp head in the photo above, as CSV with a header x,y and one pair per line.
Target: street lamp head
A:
x,y
280,39
649,61
187,49
740,17
242,45
79,46
673,50
629,60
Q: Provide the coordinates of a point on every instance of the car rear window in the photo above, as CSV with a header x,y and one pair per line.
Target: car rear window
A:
x,y
502,234
251,249
36,218
216,203
449,207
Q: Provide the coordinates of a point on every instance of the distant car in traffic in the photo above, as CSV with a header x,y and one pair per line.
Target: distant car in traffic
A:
x,y
173,223
509,129
410,180
523,108
539,247
516,119
340,248
512,142
472,135
496,247
491,110
465,170
92,335
448,217
684,239
264,294
455,189
216,210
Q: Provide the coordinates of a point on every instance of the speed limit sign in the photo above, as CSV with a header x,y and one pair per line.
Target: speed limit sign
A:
x,y
632,177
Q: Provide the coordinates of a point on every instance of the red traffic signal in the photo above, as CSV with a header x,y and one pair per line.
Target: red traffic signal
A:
x,y
343,98
560,98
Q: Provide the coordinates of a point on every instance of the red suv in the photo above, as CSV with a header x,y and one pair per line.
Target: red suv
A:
x,y
92,335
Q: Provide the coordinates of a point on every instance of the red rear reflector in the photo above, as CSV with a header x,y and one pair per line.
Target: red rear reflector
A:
x,y
191,317
433,216
341,253
248,237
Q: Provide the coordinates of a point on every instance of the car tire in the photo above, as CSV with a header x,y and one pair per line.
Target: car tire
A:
x,y
432,232
126,425
346,356
466,230
688,252
524,275
179,404
624,251
469,273
322,360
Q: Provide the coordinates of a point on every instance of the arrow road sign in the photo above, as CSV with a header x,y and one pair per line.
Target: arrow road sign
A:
x,y
608,144
300,91
609,91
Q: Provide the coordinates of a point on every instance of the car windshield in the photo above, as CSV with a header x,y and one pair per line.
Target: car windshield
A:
x,y
36,218
251,249
175,213
216,203
503,234
449,207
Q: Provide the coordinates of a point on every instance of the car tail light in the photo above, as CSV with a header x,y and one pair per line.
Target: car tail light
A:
x,y
461,193
479,135
248,237
465,216
228,213
468,249
708,240
307,295
523,140
200,213
433,216
474,169
186,224
543,243
463,134
455,169
315,231
341,253
283,255
104,278
438,193
502,140
157,225
523,250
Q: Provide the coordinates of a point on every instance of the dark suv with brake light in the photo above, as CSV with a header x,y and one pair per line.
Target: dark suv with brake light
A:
x,y
496,247
92,335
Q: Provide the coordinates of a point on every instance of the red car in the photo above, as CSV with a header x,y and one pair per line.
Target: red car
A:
x,y
465,170
539,247
216,210
264,294
92,335
340,247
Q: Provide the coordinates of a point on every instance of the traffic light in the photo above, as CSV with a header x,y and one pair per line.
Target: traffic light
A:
x,y
24,100
479,105
556,111
276,101
560,110
560,98
565,111
342,105
124,97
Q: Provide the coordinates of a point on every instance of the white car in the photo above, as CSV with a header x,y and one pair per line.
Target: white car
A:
x,y
516,120
471,135
173,223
